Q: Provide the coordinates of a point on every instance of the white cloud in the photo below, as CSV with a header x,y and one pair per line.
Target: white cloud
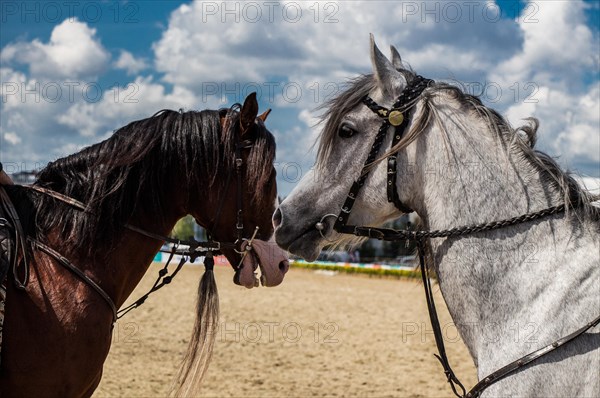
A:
x,y
556,39
14,84
569,123
329,42
525,59
199,51
73,52
590,183
12,138
204,47
581,135
25,110
49,130
52,106
557,49
139,99
131,64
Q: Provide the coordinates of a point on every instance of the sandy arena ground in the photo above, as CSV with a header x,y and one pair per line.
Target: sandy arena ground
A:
x,y
317,335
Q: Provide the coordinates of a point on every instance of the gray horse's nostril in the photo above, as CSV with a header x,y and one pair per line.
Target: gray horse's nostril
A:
x,y
277,218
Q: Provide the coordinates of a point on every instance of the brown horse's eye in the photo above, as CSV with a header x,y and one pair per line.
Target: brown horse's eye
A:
x,y
346,131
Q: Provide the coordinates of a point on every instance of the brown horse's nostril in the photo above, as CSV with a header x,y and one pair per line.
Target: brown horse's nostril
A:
x,y
284,266
277,217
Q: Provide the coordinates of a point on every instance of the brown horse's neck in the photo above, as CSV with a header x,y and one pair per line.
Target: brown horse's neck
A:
x,y
134,253
120,269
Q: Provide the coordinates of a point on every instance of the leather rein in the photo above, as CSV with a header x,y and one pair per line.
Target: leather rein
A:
x,y
397,118
194,248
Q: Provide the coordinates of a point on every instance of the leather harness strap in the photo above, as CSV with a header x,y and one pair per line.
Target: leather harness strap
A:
x,y
67,264
342,218
398,117
526,359
20,239
435,325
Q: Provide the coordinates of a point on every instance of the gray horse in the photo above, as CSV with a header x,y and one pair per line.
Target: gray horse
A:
x,y
510,291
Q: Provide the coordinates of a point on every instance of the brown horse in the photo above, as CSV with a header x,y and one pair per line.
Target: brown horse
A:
x,y
150,173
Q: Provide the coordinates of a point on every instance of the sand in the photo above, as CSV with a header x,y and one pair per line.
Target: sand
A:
x,y
317,334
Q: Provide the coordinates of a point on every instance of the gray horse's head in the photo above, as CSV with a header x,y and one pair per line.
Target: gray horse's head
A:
x,y
349,130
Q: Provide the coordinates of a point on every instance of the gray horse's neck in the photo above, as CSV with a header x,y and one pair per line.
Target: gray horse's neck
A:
x,y
513,290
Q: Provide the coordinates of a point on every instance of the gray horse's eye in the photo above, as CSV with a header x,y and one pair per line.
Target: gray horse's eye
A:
x,y
346,131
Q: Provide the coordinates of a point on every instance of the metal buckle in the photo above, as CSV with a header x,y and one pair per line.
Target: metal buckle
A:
x,y
248,247
239,223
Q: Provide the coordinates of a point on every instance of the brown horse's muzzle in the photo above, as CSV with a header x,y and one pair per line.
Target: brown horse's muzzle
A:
x,y
271,259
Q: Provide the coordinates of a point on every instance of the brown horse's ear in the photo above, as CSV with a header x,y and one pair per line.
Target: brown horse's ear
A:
x,y
223,118
249,112
263,116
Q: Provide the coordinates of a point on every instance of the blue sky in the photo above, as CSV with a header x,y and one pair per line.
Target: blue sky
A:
x,y
71,73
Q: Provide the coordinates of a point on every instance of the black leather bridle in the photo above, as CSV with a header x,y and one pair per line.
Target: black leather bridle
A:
x,y
398,117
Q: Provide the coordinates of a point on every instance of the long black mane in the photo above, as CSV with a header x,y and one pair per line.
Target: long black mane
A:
x,y
138,164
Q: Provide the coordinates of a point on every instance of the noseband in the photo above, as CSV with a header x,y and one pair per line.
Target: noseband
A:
x,y
398,117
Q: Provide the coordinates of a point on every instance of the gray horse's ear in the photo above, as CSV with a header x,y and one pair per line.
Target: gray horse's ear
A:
x,y
396,59
388,78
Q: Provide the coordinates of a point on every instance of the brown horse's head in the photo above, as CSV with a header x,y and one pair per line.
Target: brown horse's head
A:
x,y
247,195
